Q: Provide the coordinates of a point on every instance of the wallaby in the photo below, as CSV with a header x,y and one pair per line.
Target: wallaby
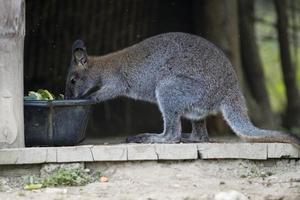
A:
x,y
186,75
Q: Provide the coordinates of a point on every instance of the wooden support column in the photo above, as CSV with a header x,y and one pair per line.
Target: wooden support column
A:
x,y
12,32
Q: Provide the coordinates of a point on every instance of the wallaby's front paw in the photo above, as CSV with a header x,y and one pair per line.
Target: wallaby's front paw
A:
x,y
151,138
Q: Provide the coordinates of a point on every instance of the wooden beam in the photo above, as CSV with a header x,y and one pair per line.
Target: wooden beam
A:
x,y
12,32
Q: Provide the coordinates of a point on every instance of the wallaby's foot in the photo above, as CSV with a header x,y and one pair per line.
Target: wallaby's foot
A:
x,y
194,138
151,138
199,132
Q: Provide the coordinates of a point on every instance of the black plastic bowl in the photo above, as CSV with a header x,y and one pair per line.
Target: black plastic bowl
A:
x,y
55,123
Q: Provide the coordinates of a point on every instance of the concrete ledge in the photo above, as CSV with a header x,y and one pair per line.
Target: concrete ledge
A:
x,y
141,152
133,152
253,151
74,154
109,153
282,150
176,151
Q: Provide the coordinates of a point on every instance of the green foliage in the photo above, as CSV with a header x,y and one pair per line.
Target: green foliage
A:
x,y
255,172
269,51
46,95
42,94
60,97
62,177
33,96
274,80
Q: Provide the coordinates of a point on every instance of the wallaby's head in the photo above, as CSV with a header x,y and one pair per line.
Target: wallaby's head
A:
x,y
81,81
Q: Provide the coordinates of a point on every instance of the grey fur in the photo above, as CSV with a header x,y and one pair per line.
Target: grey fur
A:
x,y
186,75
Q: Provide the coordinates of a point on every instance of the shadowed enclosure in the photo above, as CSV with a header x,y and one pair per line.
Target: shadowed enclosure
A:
x,y
105,26
110,25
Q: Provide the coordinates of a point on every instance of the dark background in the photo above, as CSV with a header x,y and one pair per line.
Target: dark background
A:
x,y
110,25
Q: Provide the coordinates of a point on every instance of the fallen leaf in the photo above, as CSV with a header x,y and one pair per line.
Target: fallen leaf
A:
x,y
103,179
33,186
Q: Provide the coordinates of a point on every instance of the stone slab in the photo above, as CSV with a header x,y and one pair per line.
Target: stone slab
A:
x,y
141,152
20,156
9,156
74,154
133,152
51,155
109,153
32,155
253,151
176,151
282,150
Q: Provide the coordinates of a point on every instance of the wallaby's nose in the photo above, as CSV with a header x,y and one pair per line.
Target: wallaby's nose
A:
x,y
78,44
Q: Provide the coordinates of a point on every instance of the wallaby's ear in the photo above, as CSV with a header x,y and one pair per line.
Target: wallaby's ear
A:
x,y
79,54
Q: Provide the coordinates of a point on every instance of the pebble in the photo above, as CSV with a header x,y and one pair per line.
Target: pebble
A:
x,y
56,190
230,195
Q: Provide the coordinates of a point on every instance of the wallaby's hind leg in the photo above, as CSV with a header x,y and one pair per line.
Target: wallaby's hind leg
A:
x,y
199,132
171,108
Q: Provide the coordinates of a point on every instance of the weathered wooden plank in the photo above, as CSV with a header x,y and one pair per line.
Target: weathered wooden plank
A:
x,y
12,31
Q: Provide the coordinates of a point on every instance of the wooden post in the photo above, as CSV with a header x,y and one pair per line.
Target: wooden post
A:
x,y
12,32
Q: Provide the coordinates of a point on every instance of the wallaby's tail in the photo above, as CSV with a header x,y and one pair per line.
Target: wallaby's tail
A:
x,y
234,111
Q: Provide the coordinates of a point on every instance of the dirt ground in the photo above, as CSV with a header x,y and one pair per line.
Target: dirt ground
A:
x,y
186,180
